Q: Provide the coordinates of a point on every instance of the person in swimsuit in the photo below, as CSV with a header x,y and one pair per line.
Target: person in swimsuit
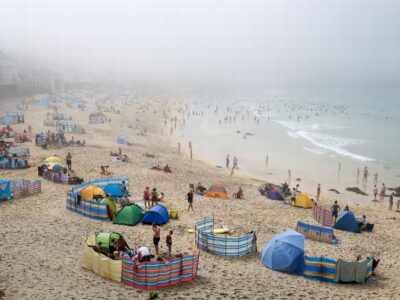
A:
x,y
189,197
156,236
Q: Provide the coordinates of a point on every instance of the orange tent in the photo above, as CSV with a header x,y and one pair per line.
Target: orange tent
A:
x,y
91,191
217,190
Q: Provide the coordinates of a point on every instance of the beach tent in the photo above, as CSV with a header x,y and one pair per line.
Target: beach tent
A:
x,y
53,159
302,200
275,195
121,139
105,238
110,204
91,191
129,215
217,190
113,189
285,253
55,167
158,214
347,222
5,189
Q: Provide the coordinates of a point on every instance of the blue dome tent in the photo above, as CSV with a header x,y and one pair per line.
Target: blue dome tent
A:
x,y
285,253
158,214
347,222
113,189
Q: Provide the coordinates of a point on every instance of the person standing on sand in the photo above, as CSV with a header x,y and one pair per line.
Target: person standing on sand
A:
x,y
376,178
391,201
154,197
179,148
227,161
335,210
168,240
375,192
68,158
289,174
146,197
189,198
190,150
358,175
365,177
235,162
266,160
156,236
318,191
383,191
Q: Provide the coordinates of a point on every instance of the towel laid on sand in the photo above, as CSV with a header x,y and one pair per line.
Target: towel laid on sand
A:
x,y
351,271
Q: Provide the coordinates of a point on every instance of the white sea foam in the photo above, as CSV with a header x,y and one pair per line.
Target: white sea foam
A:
x,y
314,150
331,143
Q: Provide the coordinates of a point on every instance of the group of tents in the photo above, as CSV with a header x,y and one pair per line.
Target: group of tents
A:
x,y
130,214
285,253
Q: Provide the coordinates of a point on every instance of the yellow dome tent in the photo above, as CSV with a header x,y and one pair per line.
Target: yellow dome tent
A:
x,y
90,192
302,200
53,159
217,190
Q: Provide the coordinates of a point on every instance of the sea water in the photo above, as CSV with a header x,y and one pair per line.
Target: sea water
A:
x,y
322,137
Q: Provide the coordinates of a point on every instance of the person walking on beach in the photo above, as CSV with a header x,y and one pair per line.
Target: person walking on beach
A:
x,y
375,192
358,175
168,240
227,161
335,210
376,178
365,177
383,191
266,160
156,236
189,198
289,174
68,158
318,191
235,162
190,150
391,198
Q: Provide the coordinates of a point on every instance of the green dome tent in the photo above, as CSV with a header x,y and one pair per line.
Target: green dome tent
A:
x,y
129,215
105,238
111,204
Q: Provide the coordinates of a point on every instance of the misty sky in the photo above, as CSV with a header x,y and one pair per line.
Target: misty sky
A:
x,y
281,43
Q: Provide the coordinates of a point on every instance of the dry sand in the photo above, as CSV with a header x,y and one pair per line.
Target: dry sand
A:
x,y
41,242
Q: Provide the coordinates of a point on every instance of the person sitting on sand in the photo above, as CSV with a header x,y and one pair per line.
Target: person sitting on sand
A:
x,y
125,201
200,189
362,221
156,168
167,169
239,193
346,208
104,170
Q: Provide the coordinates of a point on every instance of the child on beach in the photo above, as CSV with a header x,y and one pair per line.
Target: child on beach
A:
x,y
189,198
169,242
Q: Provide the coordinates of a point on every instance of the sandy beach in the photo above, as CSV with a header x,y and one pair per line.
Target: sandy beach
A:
x,y
41,245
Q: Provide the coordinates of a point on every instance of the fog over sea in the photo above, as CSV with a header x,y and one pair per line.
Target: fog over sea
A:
x,y
312,133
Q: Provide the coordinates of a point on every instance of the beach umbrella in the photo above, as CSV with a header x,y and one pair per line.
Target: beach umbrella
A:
x,y
53,159
285,252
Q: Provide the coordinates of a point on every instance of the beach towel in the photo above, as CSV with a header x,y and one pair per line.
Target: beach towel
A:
x,y
351,271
